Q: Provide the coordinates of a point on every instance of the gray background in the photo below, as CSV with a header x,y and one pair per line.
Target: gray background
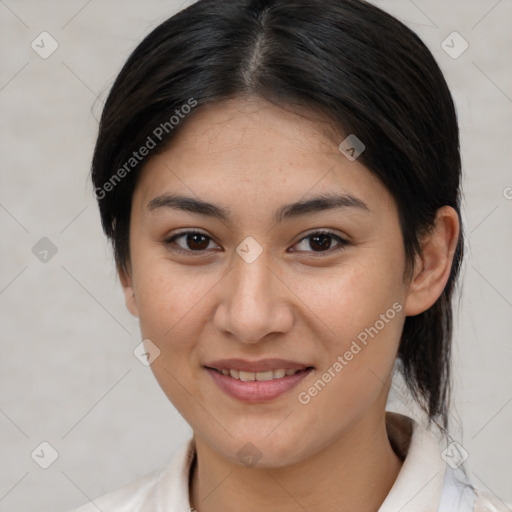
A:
x,y
67,372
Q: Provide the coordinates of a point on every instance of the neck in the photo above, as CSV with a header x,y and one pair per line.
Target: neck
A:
x,y
354,473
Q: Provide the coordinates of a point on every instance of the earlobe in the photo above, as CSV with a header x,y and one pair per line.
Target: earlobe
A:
x,y
433,265
128,290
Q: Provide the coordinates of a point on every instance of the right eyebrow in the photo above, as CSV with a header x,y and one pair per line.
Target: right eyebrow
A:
x,y
189,204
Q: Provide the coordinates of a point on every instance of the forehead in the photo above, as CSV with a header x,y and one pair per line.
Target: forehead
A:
x,y
254,153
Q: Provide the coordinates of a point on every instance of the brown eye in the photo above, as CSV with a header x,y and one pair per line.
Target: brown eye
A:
x,y
321,241
190,241
196,241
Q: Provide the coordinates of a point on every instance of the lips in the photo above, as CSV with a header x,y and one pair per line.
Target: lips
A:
x,y
257,381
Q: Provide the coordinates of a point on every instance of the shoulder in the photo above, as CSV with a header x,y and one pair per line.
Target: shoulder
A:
x,y
441,477
162,490
460,495
485,502
129,498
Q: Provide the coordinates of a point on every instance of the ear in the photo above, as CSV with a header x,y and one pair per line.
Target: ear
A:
x,y
129,293
433,265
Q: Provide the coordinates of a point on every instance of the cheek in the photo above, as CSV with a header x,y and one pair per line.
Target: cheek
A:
x,y
351,297
171,314
361,307
169,298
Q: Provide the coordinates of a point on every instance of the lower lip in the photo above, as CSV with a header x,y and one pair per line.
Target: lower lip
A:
x,y
257,390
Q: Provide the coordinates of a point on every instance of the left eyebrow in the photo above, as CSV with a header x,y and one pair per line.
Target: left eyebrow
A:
x,y
320,203
307,206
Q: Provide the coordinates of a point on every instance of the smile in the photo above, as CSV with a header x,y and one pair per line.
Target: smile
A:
x,y
260,376
257,387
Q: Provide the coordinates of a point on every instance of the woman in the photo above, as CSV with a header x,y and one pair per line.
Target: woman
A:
x,y
280,181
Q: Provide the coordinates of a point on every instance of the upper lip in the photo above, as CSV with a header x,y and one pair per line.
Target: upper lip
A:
x,y
262,365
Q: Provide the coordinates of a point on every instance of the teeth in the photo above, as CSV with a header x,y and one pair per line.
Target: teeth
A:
x,y
247,376
261,376
265,375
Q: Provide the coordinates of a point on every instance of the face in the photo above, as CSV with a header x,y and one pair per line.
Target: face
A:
x,y
318,285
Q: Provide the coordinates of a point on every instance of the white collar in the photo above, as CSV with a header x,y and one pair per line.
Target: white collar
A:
x,y
425,482
418,487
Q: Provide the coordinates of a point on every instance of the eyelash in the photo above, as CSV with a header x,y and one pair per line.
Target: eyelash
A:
x,y
342,242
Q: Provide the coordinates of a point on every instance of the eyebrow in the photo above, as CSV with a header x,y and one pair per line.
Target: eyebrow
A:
x,y
314,204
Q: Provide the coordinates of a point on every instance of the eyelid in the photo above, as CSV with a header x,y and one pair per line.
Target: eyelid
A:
x,y
342,242
324,231
341,245
168,240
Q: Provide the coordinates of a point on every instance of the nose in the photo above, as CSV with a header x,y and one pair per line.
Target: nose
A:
x,y
254,302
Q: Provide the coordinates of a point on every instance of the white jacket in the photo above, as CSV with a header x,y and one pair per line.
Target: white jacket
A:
x,y
425,482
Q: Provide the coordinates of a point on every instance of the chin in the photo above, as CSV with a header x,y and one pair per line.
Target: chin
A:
x,y
262,452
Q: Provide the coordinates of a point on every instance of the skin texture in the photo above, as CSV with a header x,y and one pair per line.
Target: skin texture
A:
x,y
296,301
